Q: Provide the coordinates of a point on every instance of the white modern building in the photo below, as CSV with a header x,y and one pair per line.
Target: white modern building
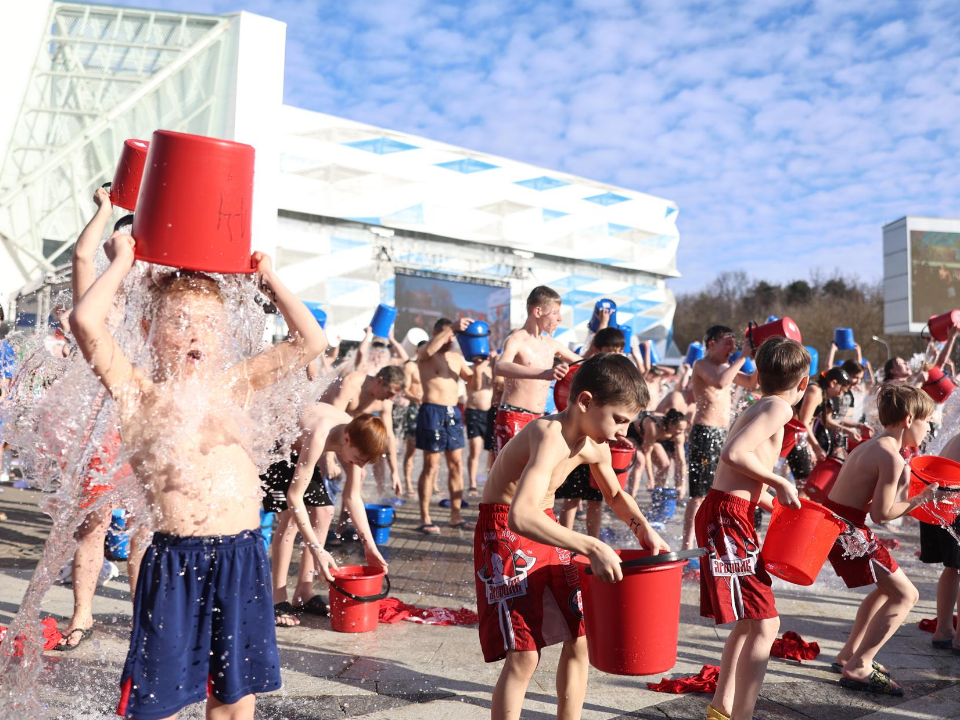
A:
x,y
344,206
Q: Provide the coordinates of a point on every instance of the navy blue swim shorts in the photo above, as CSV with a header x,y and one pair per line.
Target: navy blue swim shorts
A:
x,y
439,428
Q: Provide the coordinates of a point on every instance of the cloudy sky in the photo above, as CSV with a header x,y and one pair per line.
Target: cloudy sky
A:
x,y
787,132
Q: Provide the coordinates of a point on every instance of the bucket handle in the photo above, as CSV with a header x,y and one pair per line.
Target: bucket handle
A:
x,y
944,488
366,598
662,557
107,185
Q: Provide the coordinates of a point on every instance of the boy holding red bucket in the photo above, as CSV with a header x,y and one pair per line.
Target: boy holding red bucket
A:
x,y
528,590
179,424
869,482
734,584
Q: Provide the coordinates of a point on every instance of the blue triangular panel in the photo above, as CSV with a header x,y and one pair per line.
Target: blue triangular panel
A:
x,y
412,215
366,220
614,229
581,315
341,244
542,183
381,146
549,215
467,165
607,198
670,211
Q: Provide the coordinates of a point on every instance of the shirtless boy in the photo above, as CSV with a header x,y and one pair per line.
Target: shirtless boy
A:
x,y
479,398
179,425
734,584
527,365
713,377
869,482
524,576
439,423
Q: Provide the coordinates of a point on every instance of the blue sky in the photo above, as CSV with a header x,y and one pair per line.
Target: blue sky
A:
x,y
787,132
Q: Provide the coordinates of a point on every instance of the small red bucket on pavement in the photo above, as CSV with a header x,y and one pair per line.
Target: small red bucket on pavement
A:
x,y
633,625
822,478
195,204
355,597
940,324
798,541
623,455
938,386
126,179
927,469
782,327
561,388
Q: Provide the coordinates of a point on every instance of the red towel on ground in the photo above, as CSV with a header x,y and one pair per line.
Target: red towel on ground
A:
x,y
793,647
393,610
930,624
705,681
51,636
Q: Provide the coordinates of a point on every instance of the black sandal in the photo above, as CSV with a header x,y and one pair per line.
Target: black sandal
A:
x,y
281,609
838,668
877,683
85,634
314,606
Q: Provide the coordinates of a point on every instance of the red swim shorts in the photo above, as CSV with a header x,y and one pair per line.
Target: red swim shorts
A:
x,y
507,424
734,584
861,571
95,485
528,594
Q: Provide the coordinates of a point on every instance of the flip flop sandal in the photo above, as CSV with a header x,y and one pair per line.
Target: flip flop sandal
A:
x,y
838,668
877,683
281,609
714,714
942,644
314,606
462,525
430,529
85,633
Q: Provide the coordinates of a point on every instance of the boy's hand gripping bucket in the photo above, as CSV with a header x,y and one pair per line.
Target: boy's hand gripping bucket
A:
x,y
382,321
195,204
633,625
604,304
927,469
798,541
355,597
784,327
940,324
561,389
125,187
938,386
843,339
475,341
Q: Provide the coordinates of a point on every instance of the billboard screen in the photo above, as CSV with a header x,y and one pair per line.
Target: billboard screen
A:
x,y
934,273
424,298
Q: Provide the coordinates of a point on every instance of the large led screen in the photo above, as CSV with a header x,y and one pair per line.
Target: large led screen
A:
x,y
934,273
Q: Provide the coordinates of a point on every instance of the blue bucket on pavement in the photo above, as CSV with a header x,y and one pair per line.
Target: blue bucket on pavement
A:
x,y
748,366
843,339
664,502
380,518
383,318
605,303
266,526
694,353
319,315
118,537
814,360
475,340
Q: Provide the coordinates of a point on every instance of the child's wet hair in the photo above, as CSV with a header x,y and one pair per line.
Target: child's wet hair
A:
x,y
610,338
542,296
781,365
368,435
673,417
853,368
836,374
612,379
188,281
714,333
440,324
895,402
391,375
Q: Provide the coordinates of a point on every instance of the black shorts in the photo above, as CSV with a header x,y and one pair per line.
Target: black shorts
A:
x,y
577,486
277,479
399,420
670,446
488,437
936,545
800,461
477,422
706,445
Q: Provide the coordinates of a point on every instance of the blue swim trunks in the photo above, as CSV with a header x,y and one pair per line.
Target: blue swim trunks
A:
x,y
202,625
439,428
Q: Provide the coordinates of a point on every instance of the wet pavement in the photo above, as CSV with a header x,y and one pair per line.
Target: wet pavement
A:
x,y
414,671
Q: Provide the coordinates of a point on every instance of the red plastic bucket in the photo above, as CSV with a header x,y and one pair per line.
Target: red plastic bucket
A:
x,y
633,625
623,455
928,469
798,541
195,204
822,478
939,386
561,388
791,431
864,436
783,327
940,324
126,179
355,598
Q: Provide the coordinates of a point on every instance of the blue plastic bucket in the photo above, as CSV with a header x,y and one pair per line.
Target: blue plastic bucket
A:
x,y
748,366
654,355
475,340
814,360
380,518
694,353
607,303
772,318
664,502
627,336
843,339
266,527
318,314
118,538
383,318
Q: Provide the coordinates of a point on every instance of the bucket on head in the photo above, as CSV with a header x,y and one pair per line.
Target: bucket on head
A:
x,y
821,479
938,386
664,502
622,456
748,365
814,360
843,339
380,518
475,340
604,304
118,537
694,353
414,337
196,200
125,186
926,469
798,541
561,388
318,313
355,597
940,324
628,633
382,321
784,327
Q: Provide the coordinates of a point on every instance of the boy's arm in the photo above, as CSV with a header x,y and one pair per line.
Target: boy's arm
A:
x,y
714,376
856,346
479,371
363,350
565,353
831,355
349,388
748,381
947,349
466,373
885,506
442,338
89,319
398,350
528,519
408,393
83,272
353,504
638,359
307,339
740,450
387,412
